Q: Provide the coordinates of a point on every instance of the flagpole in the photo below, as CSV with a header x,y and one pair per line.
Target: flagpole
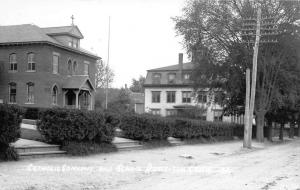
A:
x,y
107,64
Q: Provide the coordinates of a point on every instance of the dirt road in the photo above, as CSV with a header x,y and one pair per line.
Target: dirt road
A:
x,y
203,166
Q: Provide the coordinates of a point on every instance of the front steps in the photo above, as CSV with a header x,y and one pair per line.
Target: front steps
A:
x,y
123,144
34,149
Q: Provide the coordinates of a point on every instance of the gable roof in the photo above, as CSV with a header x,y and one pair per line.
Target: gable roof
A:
x,y
77,82
67,30
28,34
185,66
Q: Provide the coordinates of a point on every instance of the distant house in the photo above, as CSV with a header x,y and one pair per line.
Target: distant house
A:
x,y
169,90
45,67
138,99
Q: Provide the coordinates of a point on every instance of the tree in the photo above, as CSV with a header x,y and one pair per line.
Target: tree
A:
x,y
103,74
212,36
122,103
137,85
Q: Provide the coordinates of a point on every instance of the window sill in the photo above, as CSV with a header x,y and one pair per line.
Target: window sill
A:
x,y
12,71
12,102
31,71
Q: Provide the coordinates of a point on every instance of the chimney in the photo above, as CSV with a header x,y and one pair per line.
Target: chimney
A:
x,y
180,65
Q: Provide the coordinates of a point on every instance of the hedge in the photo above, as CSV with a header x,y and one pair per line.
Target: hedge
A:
x,y
10,119
145,127
59,126
189,129
148,127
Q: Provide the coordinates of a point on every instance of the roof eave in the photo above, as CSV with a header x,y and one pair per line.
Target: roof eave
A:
x,y
51,43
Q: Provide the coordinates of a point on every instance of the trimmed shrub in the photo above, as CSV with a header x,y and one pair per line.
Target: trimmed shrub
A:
x,y
59,125
145,127
10,119
33,113
87,148
190,129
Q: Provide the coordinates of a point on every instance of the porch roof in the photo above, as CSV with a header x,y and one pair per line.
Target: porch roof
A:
x,y
78,82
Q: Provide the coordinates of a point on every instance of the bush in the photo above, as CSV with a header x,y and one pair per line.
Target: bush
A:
x,y
64,125
10,119
33,113
86,148
145,127
190,129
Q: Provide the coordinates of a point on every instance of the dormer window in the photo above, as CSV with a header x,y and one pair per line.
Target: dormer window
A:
x,y
156,78
171,78
186,77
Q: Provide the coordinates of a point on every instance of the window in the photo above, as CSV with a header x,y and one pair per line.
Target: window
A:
x,y
186,97
12,92
186,77
218,115
202,97
70,67
86,68
13,66
30,92
171,112
55,63
31,62
74,68
171,96
54,95
156,78
171,78
155,111
218,97
156,96
85,99
75,43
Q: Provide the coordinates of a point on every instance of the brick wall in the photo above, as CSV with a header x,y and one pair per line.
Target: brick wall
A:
x,y
43,78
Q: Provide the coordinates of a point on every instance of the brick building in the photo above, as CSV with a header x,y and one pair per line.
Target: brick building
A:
x,y
45,67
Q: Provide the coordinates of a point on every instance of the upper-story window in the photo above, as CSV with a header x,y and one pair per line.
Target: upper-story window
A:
x,y
86,68
202,97
155,96
186,96
69,67
30,92
74,68
13,66
171,78
156,77
186,77
12,92
55,64
171,96
31,62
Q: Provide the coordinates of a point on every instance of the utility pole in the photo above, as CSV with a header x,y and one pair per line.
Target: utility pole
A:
x,y
250,25
107,64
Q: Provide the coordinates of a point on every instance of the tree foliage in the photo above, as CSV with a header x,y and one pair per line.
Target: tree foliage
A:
x,y
137,84
104,74
212,37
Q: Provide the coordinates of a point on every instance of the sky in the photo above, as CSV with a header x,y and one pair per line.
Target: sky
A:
x,y
142,34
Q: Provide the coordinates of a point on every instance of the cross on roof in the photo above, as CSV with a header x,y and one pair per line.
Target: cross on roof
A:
x,y
72,17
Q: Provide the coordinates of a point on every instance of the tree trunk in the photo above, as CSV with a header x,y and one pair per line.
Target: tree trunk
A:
x,y
270,131
298,130
260,121
281,131
291,132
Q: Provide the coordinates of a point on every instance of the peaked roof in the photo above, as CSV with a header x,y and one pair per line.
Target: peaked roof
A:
x,y
28,33
185,66
77,82
69,30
